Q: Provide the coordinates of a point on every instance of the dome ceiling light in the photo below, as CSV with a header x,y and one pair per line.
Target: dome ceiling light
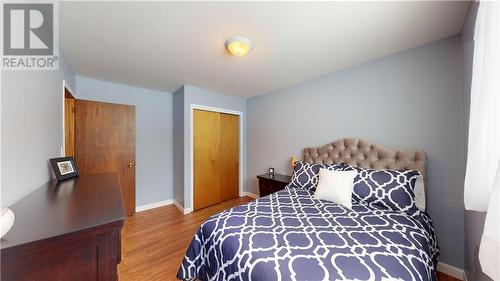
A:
x,y
238,45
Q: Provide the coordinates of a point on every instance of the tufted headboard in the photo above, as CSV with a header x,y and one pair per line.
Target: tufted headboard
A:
x,y
364,154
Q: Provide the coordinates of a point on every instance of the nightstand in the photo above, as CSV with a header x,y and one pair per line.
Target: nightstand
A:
x,y
270,183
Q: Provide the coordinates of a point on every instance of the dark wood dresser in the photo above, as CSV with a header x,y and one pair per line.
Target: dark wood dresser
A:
x,y
270,183
66,231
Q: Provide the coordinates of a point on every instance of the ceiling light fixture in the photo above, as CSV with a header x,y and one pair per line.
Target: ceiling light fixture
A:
x,y
238,45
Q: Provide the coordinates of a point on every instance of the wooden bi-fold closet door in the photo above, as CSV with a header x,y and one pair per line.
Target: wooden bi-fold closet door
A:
x,y
216,157
229,156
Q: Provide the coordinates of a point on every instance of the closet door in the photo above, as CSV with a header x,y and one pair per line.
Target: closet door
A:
x,y
206,150
229,156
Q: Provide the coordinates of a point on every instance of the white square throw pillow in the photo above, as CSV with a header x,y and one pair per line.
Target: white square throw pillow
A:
x,y
336,186
420,193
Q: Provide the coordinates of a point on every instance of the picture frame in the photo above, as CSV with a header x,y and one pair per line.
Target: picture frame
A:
x,y
271,170
64,168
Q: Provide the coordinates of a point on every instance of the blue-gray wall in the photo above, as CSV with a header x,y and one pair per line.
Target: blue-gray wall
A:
x,y
411,99
473,220
32,127
154,136
191,95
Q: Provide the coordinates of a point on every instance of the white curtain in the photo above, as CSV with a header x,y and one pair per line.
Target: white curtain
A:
x,y
482,179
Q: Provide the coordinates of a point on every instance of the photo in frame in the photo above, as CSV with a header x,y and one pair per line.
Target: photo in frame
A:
x,y
64,168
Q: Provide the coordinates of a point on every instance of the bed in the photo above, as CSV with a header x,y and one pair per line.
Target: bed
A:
x,y
290,235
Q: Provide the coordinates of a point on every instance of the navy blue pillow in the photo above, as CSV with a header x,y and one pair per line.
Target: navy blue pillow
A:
x,y
306,175
390,189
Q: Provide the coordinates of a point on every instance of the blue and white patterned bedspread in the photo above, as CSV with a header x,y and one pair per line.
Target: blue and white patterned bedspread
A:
x,y
289,235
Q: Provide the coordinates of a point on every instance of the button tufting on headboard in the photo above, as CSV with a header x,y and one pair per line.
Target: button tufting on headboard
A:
x,y
364,154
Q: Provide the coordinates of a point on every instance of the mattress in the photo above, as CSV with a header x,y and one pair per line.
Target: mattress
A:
x,y
289,235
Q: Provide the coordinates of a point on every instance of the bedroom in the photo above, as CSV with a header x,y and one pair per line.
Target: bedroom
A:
x,y
173,114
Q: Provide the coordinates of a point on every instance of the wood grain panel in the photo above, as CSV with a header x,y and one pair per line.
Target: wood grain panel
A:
x,y
206,143
105,142
229,156
69,126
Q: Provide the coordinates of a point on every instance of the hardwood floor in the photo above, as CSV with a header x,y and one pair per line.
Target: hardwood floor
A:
x,y
155,241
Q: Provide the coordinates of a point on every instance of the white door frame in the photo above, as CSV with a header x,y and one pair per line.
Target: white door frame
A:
x,y
66,86
191,172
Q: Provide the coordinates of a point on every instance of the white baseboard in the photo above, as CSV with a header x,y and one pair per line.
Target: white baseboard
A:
x,y
451,270
183,211
153,205
254,196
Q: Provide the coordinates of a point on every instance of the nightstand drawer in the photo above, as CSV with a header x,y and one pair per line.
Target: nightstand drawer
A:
x,y
272,183
267,187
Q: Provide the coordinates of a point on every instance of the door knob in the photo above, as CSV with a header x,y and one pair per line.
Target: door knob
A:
x,y
131,164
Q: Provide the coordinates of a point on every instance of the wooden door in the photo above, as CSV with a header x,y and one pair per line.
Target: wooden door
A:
x,y
69,124
105,142
229,156
216,157
206,143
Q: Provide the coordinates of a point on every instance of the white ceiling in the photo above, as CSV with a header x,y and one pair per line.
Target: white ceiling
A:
x,y
162,45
